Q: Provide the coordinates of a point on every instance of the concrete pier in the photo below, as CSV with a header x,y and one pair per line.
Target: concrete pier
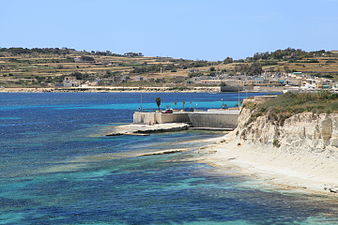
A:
x,y
226,119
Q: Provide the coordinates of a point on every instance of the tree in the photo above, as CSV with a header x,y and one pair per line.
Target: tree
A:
x,y
254,69
158,102
79,75
133,54
228,60
85,58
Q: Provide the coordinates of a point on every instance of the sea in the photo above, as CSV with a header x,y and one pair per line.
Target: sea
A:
x,y
58,167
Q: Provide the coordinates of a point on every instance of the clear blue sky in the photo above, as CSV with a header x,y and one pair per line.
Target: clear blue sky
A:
x,y
193,29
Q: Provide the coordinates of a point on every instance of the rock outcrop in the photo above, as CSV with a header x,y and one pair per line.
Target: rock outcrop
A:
x,y
289,149
304,131
144,129
303,147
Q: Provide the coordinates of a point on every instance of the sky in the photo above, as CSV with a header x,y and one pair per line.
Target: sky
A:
x,y
190,29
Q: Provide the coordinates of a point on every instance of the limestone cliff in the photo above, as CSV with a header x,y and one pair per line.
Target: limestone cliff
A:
x,y
314,132
303,146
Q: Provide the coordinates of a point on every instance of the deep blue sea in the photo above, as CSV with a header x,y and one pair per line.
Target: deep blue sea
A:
x,y
57,167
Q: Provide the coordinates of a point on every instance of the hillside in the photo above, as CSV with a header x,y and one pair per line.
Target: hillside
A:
x,y
49,67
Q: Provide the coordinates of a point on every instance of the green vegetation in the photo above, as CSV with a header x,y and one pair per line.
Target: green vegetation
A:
x,y
250,69
80,76
20,51
289,104
157,68
196,74
276,143
289,53
87,58
47,67
228,60
63,51
330,61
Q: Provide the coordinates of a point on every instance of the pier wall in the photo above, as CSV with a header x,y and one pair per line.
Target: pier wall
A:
x,y
212,119
159,118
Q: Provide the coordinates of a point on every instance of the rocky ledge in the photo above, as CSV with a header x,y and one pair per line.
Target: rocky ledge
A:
x,y
143,129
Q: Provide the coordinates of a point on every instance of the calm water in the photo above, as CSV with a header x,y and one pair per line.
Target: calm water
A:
x,y
56,167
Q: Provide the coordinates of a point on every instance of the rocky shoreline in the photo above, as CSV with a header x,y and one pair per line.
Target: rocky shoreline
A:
x,y
144,129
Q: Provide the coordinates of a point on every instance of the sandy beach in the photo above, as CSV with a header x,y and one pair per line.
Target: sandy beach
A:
x,y
314,172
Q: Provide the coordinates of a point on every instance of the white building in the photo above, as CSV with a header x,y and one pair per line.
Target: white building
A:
x,y
71,81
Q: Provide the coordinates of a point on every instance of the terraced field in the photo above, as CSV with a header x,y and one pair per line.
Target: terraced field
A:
x,y
41,69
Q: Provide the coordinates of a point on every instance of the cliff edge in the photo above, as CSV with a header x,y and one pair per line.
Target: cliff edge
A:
x,y
317,133
292,147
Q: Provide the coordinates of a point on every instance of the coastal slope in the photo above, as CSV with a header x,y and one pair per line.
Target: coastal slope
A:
x,y
298,151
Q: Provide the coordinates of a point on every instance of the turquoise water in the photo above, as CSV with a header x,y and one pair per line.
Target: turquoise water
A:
x,y
56,167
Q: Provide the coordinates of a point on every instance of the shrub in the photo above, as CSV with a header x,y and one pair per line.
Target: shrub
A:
x,y
87,58
330,61
276,143
195,74
79,75
289,104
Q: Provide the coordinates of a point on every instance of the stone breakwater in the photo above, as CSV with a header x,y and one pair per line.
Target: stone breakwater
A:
x,y
300,152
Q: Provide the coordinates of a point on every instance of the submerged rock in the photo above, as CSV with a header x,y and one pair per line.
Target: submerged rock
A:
x,y
145,130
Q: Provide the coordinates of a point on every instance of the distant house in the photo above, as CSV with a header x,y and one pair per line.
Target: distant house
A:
x,y
71,81
138,78
293,82
324,83
124,79
77,59
114,80
90,83
308,86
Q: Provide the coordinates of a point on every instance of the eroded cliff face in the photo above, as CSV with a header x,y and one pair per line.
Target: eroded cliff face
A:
x,y
298,151
304,131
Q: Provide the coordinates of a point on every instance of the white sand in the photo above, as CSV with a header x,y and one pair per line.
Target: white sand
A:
x,y
302,170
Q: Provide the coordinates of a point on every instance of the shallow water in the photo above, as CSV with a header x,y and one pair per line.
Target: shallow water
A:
x,y
56,167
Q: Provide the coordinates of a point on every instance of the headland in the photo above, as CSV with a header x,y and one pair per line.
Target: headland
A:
x,y
293,147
